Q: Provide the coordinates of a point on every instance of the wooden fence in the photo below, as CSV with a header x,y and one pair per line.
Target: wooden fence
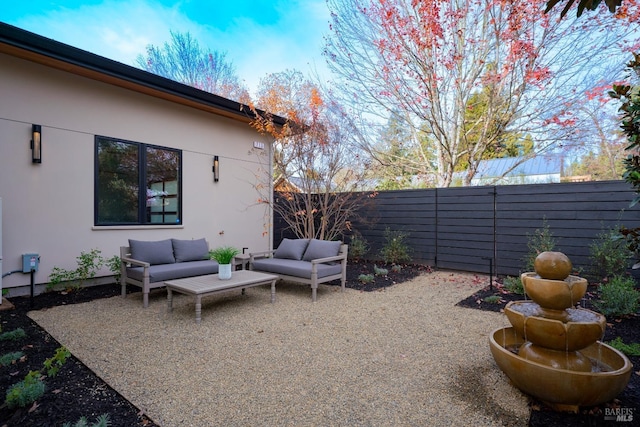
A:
x,y
471,228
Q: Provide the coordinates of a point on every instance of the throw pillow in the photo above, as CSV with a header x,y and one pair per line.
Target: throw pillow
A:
x,y
157,252
190,250
291,249
321,249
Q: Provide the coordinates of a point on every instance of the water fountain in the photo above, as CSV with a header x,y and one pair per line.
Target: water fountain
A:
x,y
551,351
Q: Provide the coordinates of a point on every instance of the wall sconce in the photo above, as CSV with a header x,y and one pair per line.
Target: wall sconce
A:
x,y
216,169
36,143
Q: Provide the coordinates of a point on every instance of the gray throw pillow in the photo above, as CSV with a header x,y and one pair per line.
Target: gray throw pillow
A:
x,y
321,249
156,252
190,250
291,248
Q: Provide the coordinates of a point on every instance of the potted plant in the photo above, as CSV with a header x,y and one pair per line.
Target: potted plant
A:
x,y
224,255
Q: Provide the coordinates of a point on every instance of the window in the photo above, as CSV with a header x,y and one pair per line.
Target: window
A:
x,y
137,184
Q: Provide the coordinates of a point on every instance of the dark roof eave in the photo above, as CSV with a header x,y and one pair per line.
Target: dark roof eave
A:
x,y
27,45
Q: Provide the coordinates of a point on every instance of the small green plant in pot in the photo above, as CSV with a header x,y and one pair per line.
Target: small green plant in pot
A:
x,y
224,255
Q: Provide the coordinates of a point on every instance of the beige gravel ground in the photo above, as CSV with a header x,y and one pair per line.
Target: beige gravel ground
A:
x,y
405,356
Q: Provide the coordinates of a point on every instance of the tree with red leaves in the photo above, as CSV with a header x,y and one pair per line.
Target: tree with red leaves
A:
x,y
425,60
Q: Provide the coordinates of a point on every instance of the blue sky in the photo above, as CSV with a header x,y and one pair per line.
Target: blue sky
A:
x,y
259,36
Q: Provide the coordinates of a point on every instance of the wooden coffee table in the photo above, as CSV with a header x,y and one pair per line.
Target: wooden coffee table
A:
x,y
200,286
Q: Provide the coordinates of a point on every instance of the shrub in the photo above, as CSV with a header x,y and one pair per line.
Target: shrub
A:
x,y
113,264
88,265
396,268
10,358
493,299
618,297
540,241
358,246
366,278
53,364
14,335
608,254
632,349
395,250
25,392
102,421
514,285
380,271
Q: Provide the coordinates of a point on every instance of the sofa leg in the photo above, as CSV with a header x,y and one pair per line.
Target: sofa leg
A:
x,y
123,291
145,299
314,294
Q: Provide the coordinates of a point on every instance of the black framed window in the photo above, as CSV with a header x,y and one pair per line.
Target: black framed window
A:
x,y
136,183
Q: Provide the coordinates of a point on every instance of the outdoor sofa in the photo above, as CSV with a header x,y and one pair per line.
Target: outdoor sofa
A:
x,y
307,261
148,264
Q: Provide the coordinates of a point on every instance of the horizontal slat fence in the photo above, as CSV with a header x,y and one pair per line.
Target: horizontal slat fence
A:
x,y
470,227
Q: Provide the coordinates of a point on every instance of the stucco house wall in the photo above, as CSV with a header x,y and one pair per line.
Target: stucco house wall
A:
x,y
48,208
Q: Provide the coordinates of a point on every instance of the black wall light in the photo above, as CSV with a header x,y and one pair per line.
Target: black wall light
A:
x,y
36,143
216,168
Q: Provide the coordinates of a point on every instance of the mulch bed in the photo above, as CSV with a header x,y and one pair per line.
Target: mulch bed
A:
x,y
77,392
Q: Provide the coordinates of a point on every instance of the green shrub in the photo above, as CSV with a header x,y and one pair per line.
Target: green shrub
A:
x,y
53,364
380,271
540,241
632,349
396,268
88,265
618,297
366,278
113,264
493,299
358,246
514,285
25,392
10,358
14,335
102,421
608,254
395,250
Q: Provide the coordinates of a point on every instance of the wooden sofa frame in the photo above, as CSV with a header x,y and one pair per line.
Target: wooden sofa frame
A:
x,y
314,281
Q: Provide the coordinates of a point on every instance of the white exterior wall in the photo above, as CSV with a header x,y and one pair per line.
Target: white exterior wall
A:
x,y
49,207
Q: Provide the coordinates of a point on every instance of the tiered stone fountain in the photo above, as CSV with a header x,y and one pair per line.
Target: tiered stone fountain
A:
x,y
552,350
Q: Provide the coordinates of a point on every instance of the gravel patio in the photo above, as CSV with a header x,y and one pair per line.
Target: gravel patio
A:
x,y
404,355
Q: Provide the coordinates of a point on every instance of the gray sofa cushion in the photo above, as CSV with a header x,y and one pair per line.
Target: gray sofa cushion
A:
x,y
291,249
321,249
295,268
190,250
164,272
155,252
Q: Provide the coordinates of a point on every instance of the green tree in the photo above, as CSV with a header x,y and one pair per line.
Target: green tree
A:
x,y
396,161
629,96
493,134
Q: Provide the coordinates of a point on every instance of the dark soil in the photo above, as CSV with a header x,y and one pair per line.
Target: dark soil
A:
x,y
628,328
77,392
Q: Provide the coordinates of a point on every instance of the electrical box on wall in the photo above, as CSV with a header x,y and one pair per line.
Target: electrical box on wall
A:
x,y
30,262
